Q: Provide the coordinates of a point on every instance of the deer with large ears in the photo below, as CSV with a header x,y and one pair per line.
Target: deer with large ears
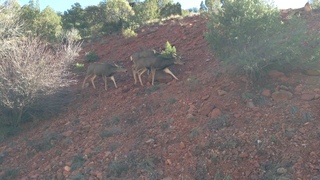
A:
x,y
149,60
105,70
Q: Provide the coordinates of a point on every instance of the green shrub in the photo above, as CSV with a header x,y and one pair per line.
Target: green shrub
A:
x,y
128,33
250,35
78,67
168,51
91,56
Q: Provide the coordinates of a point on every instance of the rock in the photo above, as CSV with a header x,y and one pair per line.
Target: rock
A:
x,y
244,155
237,115
206,109
298,89
250,104
282,87
281,171
221,92
215,113
205,97
192,109
275,74
67,168
266,93
281,95
312,72
182,145
150,141
67,133
308,96
190,116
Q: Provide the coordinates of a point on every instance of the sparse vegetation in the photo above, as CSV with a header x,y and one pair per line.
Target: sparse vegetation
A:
x,y
251,36
10,174
168,51
194,133
77,162
116,168
91,56
128,33
45,143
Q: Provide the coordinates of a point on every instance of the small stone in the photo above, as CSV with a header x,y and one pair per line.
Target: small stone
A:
x,y
190,116
281,95
205,97
67,133
182,145
266,93
281,171
308,96
237,115
67,168
150,141
250,104
275,74
215,113
244,155
312,72
221,92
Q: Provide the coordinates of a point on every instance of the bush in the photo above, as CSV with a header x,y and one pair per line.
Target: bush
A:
x,y
91,56
30,69
251,36
127,33
169,50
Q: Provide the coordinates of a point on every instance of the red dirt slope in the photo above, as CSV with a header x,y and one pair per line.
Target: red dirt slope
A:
x,y
206,125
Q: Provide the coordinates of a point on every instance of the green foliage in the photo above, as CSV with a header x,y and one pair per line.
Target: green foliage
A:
x,y
251,36
169,50
118,10
10,174
315,4
78,67
127,33
48,24
116,168
171,9
45,24
77,162
91,56
75,18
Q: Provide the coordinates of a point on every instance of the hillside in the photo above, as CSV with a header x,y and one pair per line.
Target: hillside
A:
x,y
206,125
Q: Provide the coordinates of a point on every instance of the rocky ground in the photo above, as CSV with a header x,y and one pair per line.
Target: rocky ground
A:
x,y
206,125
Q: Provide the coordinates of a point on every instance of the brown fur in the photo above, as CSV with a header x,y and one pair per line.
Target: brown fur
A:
x,y
105,70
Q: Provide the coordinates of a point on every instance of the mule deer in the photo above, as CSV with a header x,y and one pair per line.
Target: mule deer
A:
x,y
105,70
148,53
154,62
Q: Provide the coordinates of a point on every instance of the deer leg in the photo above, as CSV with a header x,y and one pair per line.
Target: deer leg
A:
x,y
105,82
84,81
92,81
114,81
153,73
140,73
134,73
166,70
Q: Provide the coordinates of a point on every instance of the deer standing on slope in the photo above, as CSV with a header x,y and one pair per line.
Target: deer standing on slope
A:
x,y
152,61
105,70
